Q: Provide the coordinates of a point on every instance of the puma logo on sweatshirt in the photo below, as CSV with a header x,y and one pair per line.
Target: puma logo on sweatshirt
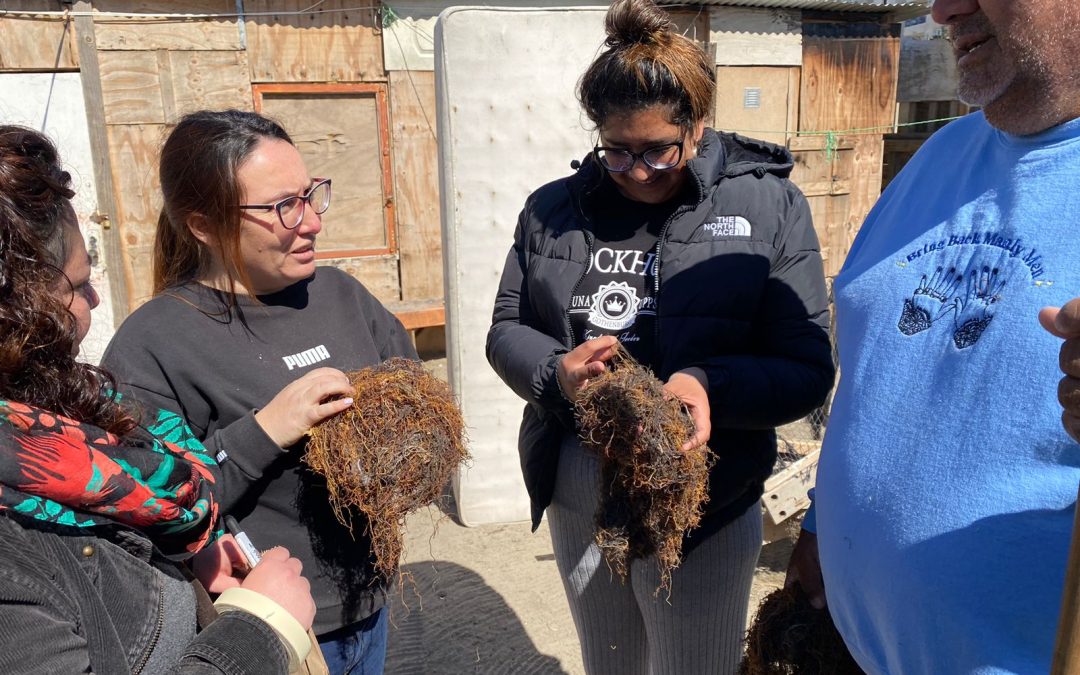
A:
x,y
306,357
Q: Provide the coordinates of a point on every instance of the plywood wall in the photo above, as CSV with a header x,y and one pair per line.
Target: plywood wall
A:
x,y
154,70
416,184
322,46
848,88
777,112
848,83
36,43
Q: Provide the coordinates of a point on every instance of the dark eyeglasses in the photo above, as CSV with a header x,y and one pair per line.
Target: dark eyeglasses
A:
x,y
660,157
290,211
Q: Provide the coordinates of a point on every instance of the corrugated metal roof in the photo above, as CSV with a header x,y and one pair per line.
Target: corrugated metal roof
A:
x,y
898,10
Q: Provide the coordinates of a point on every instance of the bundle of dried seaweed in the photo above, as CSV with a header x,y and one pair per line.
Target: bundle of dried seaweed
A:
x,y
391,453
790,637
651,491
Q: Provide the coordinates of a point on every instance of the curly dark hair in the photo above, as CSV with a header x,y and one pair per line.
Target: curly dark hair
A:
x,y
38,334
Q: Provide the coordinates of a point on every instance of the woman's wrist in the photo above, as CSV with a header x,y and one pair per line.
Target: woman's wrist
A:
x,y
288,629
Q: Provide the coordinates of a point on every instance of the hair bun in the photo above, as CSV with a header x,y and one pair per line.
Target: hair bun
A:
x,y
631,22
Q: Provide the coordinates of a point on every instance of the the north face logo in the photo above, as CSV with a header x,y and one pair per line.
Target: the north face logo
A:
x,y
728,226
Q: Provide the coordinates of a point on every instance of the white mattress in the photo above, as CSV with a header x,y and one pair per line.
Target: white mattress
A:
x,y
508,122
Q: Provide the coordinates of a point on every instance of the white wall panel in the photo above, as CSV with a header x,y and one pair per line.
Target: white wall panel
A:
x,y
508,123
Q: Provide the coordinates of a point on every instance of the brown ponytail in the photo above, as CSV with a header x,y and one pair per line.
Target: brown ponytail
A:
x,y
647,63
199,161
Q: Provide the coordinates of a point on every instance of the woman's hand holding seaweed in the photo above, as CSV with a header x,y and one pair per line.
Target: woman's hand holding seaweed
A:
x,y
303,403
583,362
691,386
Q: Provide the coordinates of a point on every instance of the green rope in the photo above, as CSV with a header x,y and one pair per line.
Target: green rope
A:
x,y
832,137
389,16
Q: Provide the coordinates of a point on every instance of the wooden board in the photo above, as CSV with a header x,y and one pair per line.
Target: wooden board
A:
x,y
828,183
379,274
693,23
848,83
927,71
133,151
756,37
416,184
868,158
325,47
131,87
151,34
36,43
786,490
778,104
338,136
207,80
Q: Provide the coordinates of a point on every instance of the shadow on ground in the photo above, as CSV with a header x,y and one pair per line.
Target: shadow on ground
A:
x,y
447,621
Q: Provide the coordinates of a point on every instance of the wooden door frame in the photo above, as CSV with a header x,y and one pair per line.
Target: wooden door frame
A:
x,y
382,111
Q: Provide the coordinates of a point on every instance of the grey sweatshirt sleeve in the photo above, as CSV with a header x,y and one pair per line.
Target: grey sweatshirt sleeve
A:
x,y
249,450
523,356
792,372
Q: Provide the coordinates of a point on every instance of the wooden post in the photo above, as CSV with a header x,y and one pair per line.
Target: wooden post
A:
x,y
90,74
1067,645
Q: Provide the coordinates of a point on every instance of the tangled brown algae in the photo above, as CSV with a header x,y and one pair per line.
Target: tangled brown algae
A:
x,y
791,637
391,453
651,491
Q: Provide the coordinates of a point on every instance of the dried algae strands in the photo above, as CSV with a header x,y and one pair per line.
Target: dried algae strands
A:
x,y
651,492
790,637
391,453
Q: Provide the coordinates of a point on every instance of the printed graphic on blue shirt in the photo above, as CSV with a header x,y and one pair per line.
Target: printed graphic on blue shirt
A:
x,y
970,275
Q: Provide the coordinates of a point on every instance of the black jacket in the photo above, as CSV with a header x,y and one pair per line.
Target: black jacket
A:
x,y
741,294
80,601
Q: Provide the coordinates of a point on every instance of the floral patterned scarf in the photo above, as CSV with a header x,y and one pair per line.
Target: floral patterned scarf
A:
x,y
156,480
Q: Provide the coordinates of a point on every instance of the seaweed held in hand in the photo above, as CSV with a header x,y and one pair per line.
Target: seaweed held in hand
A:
x,y
391,453
790,637
651,491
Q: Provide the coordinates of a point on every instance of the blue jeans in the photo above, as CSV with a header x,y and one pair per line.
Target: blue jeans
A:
x,y
357,649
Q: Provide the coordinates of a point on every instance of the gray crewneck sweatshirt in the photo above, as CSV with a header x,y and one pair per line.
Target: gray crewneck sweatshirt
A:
x,y
187,351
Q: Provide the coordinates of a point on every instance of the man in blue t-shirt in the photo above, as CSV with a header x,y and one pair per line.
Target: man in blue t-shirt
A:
x,y
947,485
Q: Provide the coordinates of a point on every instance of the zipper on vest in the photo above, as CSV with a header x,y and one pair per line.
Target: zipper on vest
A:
x,y
590,240
157,631
656,267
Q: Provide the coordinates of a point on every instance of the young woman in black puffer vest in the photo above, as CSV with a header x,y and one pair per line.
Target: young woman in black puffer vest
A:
x,y
694,250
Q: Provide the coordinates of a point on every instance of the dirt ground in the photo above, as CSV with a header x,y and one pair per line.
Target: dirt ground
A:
x,y
489,599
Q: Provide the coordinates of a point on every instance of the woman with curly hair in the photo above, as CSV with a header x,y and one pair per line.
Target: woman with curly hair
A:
x,y
694,250
96,510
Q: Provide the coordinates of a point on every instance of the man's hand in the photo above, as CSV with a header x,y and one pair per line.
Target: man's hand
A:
x,y
804,569
1065,323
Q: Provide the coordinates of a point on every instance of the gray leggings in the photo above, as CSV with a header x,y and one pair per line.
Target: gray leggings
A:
x,y
629,629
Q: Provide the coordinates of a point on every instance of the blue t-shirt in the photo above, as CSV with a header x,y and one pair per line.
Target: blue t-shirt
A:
x,y
946,486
